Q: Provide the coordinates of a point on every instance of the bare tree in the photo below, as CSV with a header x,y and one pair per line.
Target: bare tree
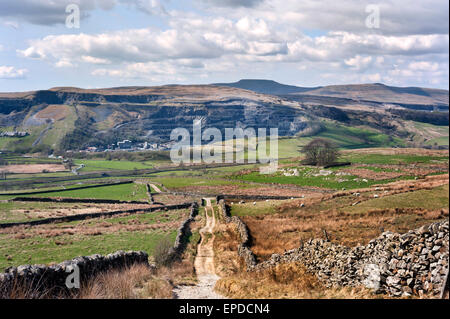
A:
x,y
69,164
320,152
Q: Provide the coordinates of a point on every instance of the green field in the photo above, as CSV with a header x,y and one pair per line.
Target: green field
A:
x,y
311,176
125,192
179,182
259,208
49,248
331,181
392,159
436,198
102,165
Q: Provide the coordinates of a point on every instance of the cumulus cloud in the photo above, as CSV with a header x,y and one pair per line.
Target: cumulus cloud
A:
x,y
48,12
10,72
400,17
147,6
233,3
215,38
324,36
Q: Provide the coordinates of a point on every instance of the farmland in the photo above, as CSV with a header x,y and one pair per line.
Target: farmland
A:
x,y
55,243
397,189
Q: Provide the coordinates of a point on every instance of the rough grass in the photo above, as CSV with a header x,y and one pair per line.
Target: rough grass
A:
x,y
284,281
137,282
344,223
55,243
256,208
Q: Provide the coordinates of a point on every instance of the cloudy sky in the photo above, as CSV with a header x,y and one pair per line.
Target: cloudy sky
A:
x,y
152,42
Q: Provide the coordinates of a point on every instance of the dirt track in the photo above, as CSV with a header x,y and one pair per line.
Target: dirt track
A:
x,y
155,188
204,263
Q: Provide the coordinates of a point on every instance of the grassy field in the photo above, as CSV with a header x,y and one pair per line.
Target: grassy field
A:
x,y
102,165
259,208
124,192
435,199
346,176
307,178
55,243
397,159
181,182
12,212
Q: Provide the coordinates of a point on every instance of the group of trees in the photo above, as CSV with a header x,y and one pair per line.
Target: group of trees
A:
x,y
320,152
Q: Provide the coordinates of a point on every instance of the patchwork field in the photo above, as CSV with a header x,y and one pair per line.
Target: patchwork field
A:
x,y
380,189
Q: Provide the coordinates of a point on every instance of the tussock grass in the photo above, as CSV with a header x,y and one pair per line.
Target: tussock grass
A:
x,y
285,281
401,209
138,282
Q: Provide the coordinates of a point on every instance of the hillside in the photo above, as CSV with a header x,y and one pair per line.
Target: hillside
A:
x,y
378,92
67,118
266,87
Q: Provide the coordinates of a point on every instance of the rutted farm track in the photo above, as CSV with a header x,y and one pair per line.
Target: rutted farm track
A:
x,y
204,263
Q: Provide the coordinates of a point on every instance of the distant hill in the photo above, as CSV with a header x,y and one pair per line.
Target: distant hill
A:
x,y
266,87
68,118
378,92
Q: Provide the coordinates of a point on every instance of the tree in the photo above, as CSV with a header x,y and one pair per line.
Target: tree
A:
x,y
320,152
69,164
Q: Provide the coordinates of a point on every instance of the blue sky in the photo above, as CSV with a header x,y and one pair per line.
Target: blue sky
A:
x,y
154,42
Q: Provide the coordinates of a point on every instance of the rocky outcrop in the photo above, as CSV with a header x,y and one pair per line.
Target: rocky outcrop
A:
x,y
51,281
398,264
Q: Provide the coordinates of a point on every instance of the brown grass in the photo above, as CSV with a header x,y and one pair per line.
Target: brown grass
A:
x,y
226,243
138,282
284,281
116,284
84,228
344,223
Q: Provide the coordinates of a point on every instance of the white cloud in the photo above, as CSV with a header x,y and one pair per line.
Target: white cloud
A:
x,y
48,12
233,3
359,62
312,36
51,12
400,17
424,66
10,72
147,6
93,60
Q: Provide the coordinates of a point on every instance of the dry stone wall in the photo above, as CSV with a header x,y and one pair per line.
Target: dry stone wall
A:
x,y
50,281
182,232
244,250
398,264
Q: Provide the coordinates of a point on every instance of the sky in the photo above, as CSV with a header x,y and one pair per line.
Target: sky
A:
x,y
155,42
